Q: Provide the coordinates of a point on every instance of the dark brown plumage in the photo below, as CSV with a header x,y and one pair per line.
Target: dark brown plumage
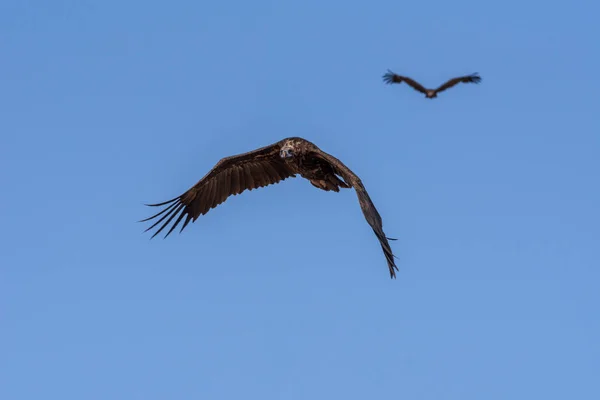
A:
x,y
390,77
265,166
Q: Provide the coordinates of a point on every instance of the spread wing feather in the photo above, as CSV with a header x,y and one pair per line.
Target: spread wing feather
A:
x,y
230,176
473,78
391,77
368,208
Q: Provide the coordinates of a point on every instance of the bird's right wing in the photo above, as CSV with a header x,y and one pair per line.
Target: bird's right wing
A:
x,y
366,204
473,78
230,176
390,77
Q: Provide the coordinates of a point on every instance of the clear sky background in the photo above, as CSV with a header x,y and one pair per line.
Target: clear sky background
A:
x,y
283,292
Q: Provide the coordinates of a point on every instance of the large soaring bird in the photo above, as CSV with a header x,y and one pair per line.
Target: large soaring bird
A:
x,y
265,166
390,77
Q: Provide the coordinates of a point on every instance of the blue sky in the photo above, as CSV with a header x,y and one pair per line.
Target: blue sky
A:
x,y
283,292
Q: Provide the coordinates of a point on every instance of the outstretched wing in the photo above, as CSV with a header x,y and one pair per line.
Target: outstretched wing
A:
x,y
473,78
230,176
391,77
368,208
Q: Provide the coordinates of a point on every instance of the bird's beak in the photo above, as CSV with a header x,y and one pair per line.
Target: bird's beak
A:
x,y
286,152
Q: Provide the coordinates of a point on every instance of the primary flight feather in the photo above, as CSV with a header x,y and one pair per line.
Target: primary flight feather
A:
x,y
265,166
391,78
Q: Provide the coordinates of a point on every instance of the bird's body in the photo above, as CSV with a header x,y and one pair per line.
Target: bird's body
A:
x,y
299,156
391,77
431,94
269,165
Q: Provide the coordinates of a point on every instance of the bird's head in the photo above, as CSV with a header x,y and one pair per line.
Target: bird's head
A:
x,y
287,150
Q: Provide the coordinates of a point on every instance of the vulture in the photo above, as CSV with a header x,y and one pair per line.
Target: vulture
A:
x,y
390,77
265,166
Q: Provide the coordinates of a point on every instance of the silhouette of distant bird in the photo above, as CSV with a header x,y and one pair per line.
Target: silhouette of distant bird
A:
x,y
391,77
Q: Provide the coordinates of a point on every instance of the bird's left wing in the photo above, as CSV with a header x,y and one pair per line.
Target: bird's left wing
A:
x,y
391,77
368,208
229,177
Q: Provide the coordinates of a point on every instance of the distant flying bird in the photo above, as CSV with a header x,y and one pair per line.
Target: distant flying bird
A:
x,y
266,166
390,77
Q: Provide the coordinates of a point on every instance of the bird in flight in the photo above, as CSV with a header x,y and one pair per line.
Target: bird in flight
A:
x,y
390,78
265,166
